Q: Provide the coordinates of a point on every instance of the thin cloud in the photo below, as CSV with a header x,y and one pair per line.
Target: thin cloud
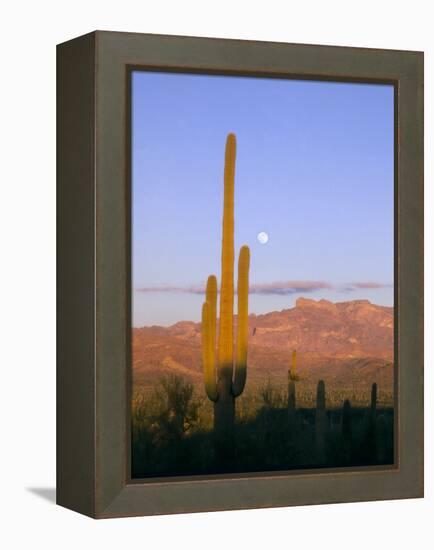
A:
x,y
370,284
289,287
282,288
198,289
278,288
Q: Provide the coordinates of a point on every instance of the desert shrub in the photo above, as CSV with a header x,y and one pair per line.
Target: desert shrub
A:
x,y
175,407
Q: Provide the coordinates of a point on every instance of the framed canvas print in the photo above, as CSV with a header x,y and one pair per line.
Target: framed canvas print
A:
x,y
240,274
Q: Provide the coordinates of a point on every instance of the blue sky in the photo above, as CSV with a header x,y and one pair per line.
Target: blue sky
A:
x,y
314,171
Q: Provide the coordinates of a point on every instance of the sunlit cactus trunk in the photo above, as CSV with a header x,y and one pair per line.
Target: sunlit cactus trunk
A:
x,y
225,381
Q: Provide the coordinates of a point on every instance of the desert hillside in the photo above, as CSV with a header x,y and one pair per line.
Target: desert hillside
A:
x,y
346,344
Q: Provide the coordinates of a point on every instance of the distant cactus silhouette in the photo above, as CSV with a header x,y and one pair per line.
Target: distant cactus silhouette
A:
x,y
347,431
373,401
320,422
380,438
370,426
225,381
292,378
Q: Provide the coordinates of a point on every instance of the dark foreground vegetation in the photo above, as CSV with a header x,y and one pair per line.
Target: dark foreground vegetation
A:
x,y
172,433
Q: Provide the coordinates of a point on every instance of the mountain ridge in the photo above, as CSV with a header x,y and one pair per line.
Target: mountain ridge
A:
x,y
345,342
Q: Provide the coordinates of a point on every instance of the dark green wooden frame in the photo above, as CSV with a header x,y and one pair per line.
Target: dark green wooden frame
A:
x,y
93,372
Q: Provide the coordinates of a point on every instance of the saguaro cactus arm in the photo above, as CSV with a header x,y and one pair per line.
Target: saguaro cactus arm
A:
x,y
211,298
243,322
208,354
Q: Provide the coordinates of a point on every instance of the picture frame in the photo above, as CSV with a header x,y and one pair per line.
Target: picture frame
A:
x,y
94,274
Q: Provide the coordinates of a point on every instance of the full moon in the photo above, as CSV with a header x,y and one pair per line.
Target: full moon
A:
x,y
263,237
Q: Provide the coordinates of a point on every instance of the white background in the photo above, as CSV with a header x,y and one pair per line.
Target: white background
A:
x,y
29,33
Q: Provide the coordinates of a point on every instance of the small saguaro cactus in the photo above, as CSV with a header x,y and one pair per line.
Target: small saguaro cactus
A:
x,y
292,378
370,425
373,401
320,422
224,380
347,432
293,370
381,439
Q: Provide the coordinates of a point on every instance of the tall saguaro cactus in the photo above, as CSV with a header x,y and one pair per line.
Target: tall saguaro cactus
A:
x,y
224,380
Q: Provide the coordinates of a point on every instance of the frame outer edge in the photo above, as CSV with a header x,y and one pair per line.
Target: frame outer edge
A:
x,y
75,408
410,274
